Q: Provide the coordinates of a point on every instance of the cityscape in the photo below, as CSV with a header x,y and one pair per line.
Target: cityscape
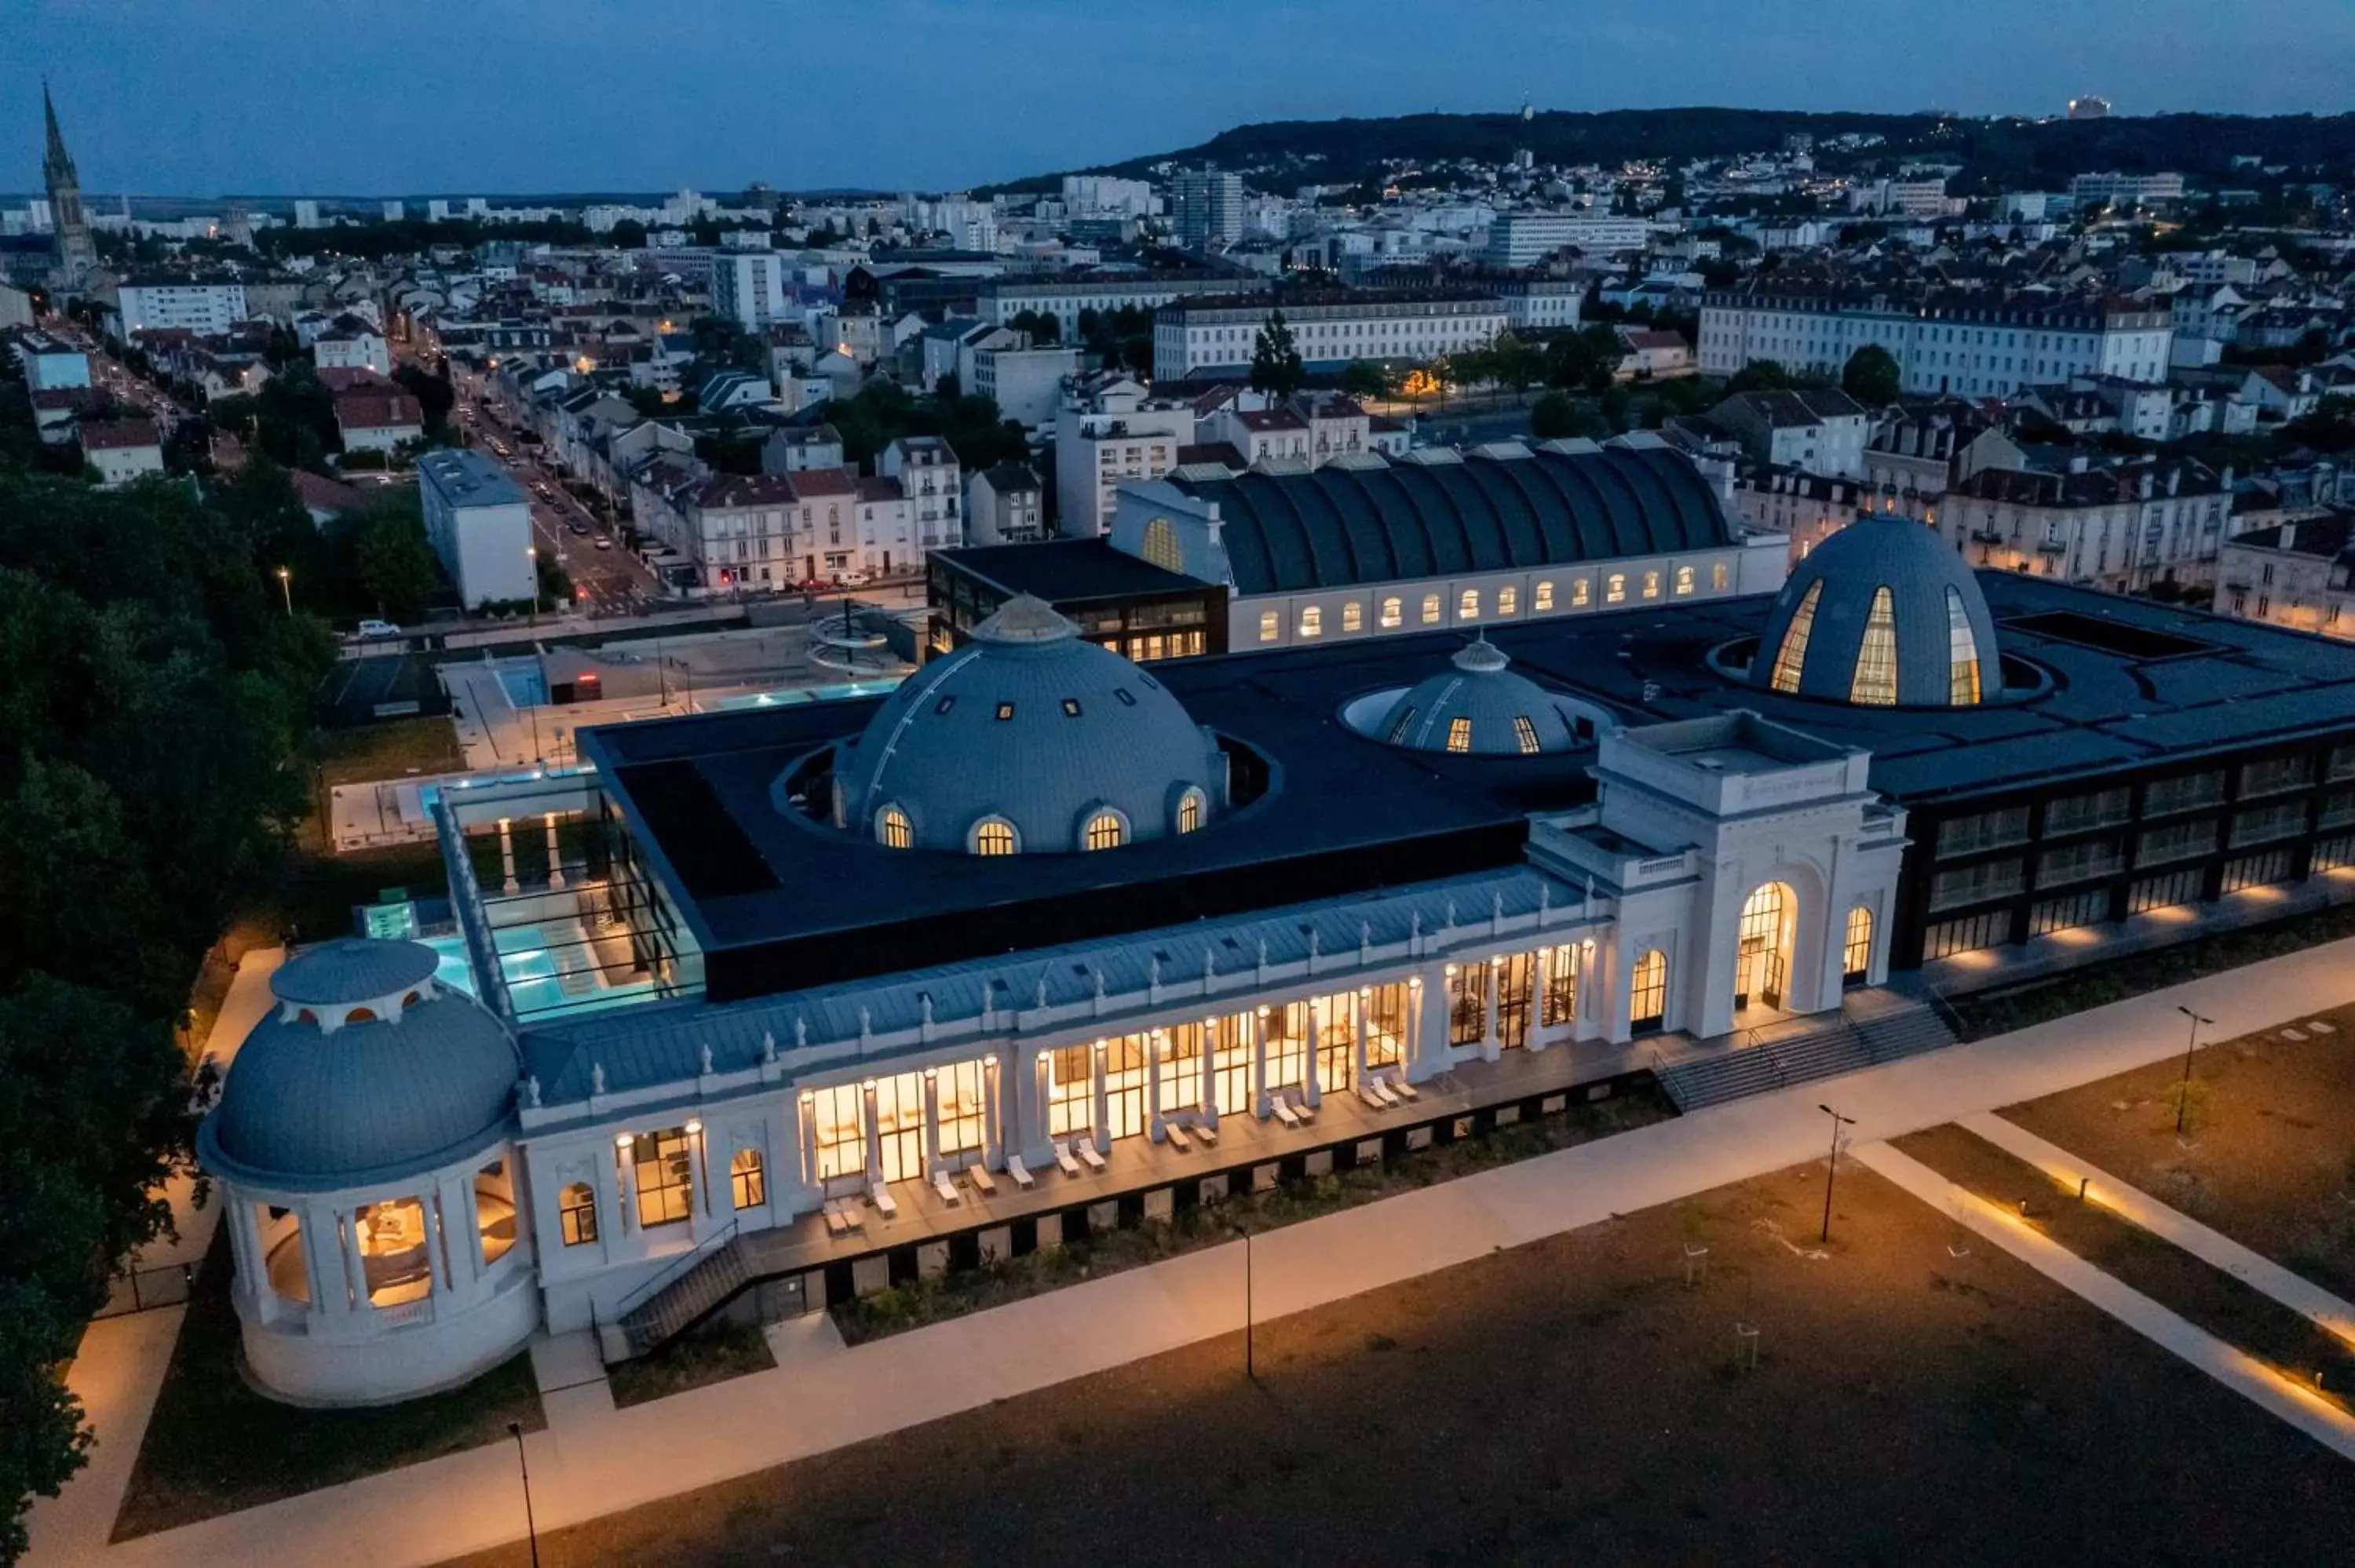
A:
x,y
1389,838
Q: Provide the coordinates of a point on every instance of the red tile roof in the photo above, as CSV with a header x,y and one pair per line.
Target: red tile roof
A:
x,y
377,411
118,435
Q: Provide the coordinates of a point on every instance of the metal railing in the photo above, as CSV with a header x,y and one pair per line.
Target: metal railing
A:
x,y
144,1289
677,1271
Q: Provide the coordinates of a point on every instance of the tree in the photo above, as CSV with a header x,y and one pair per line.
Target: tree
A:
x,y
1586,360
1276,370
393,566
435,396
1872,376
1043,326
1516,361
1552,417
1759,375
1364,378
628,234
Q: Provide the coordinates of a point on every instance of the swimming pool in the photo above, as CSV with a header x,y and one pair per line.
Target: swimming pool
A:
x,y
534,985
524,685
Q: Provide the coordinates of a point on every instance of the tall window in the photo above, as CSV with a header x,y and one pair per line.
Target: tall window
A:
x,y
1562,985
994,837
576,1214
494,1216
1104,831
1467,1005
1856,952
892,829
1459,734
1071,1091
1336,1041
1614,588
1543,599
1651,585
1962,654
1271,626
1189,811
1353,617
1507,601
958,1088
1393,615
1684,581
1874,683
1161,545
1181,1068
1581,590
1312,620
1231,1063
1125,1075
747,1181
1516,980
1524,734
839,1128
1285,1050
1647,993
900,1125
1467,607
1431,609
665,1171
1717,577
1386,1024
1792,657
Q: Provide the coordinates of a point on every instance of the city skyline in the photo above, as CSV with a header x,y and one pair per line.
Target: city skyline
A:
x,y
964,96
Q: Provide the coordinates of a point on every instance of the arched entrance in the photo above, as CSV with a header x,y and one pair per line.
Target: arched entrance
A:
x,y
1762,962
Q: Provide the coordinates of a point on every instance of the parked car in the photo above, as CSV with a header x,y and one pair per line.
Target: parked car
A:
x,y
605,544
578,527
370,630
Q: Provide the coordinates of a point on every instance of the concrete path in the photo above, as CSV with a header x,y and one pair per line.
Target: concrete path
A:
x,y
2210,1246
2234,1367
589,1463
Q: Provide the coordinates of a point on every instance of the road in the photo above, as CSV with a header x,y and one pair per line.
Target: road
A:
x,y
606,578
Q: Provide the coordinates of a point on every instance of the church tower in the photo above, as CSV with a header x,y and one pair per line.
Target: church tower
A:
x,y
77,257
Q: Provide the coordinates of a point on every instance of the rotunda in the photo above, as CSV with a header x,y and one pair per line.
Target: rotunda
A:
x,y
1480,706
1881,614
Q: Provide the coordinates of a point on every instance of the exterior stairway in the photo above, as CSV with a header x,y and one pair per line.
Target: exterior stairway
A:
x,y
680,1303
1874,1028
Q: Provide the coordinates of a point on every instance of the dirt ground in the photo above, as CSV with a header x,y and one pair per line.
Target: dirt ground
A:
x,y
2270,1155
1574,1402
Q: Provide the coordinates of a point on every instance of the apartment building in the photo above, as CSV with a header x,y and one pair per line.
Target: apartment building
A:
x,y
204,306
2123,526
2126,190
927,469
479,522
1065,296
1214,337
2299,574
1524,238
1207,209
750,287
1110,431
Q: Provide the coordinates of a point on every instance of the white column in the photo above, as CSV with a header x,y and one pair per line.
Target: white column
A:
x,y
871,1126
806,1138
1542,962
1313,1089
1491,975
1211,1074
506,856
1258,1027
322,1277
1099,1135
625,1182
354,1264
993,1113
1153,1084
555,862
1363,1004
932,1119
439,1264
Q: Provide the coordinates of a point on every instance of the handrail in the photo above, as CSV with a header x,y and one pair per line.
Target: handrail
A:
x,y
663,1281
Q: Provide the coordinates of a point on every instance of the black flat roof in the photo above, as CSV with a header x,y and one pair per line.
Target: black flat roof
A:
x,y
779,900
1067,571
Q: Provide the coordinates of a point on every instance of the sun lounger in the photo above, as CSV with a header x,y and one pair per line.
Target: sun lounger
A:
x,y
1373,1099
945,1188
1284,1113
1063,1160
836,1225
853,1216
1090,1158
1023,1180
1205,1132
1403,1089
979,1176
1177,1136
1385,1094
885,1204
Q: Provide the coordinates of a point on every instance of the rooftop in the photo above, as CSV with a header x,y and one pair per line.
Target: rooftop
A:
x,y
466,478
1067,571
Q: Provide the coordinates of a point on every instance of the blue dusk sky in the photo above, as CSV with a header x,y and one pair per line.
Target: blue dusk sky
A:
x,y
359,96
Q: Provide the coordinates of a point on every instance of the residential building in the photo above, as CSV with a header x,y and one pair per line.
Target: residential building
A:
x,y
2299,574
1916,456
306,213
926,467
1214,337
1206,209
479,522
2126,190
1525,238
207,307
373,421
2122,526
749,286
1804,508
1066,296
1024,381
50,364
121,449
1819,430
791,449
1535,303
16,306
1005,505
1654,353
352,343
1108,431
1304,432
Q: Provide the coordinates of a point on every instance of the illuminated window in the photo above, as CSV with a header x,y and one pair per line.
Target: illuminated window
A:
x,y
1507,601
1562,985
1875,680
1071,1091
1398,726
1856,952
1615,590
1468,607
993,835
839,1128
1391,615
1189,811
1353,617
1312,621
1647,991
1270,626
1543,599
746,1178
1582,593
665,1172
1161,545
1104,831
958,1089
1717,577
892,829
1684,581
1431,609
1005,711
1792,657
1526,732
576,1214
1651,585
1459,734
1962,654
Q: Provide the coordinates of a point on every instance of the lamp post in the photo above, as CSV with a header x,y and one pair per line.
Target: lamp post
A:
x,y
530,1525
286,590
1250,1370
531,554
1839,1121
2183,1093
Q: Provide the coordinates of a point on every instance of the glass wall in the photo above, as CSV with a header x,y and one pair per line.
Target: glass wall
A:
x,y
1515,986
1336,1041
1124,1076
665,1173
390,1239
1286,1049
1562,985
1181,1068
839,1128
961,1088
1230,1041
900,1125
494,1213
1388,1024
1071,1091
1467,1003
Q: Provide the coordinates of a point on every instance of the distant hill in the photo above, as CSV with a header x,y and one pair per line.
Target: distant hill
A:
x,y
2007,152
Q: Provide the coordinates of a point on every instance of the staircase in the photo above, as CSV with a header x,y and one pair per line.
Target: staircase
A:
x,y
679,1304
1876,1027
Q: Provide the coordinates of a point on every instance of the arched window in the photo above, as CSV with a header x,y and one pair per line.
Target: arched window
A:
x,y
1404,722
360,1015
1614,588
1104,831
1526,733
1856,952
1189,811
1312,620
1792,657
1431,609
1543,601
1647,991
1684,581
1507,601
892,829
1391,616
994,835
1875,680
746,1177
1161,545
1962,655
1353,617
1467,607
576,1211
1459,734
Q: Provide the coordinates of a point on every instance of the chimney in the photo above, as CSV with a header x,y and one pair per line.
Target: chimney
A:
x,y
2289,535
2076,462
2175,480
2148,485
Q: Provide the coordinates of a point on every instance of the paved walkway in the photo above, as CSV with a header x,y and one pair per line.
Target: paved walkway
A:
x,y
594,1460
2210,1246
2228,1364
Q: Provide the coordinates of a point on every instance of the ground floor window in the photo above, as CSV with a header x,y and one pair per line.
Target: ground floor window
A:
x,y
2068,913
1336,1041
959,1090
1286,1049
665,1172
748,1182
1231,1062
1562,984
1855,951
1948,937
1516,983
1181,1068
1647,991
839,1125
1387,1022
397,1262
1125,1073
2257,870
1467,1004
900,1125
2333,854
2165,892
1070,1092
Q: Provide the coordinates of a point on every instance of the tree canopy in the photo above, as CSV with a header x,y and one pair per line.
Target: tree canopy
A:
x,y
1872,376
1276,370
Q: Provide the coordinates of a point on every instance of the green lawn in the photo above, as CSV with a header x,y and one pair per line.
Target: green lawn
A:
x,y
215,1446
392,749
691,1363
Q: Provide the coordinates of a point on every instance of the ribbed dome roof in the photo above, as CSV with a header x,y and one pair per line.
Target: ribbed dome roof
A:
x,y
1478,706
334,974
1882,613
1031,727
305,1108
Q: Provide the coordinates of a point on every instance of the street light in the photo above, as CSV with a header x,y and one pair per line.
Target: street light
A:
x,y
530,1525
286,590
2183,1093
1249,1371
1839,1121
531,553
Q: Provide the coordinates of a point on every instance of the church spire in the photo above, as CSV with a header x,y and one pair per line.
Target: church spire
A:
x,y
58,161
76,256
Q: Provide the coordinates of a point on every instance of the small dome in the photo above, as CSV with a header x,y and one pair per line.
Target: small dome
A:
x,y
334,974
1029,740
307,1107
1479,706
1881,614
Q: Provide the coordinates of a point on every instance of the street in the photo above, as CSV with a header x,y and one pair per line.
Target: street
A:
x,y
607,580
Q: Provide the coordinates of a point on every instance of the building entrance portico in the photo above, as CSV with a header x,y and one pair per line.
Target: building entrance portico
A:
x,y
1762,962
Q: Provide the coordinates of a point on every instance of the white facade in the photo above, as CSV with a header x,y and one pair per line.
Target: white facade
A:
x,y
1003,299
352,351
1968,350
1216,337
479,522
204,309
2126,190
1106,436
748,286
121,458
928,472
1523,238
1026,383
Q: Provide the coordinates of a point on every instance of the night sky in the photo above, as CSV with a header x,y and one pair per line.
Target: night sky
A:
x,y
334,97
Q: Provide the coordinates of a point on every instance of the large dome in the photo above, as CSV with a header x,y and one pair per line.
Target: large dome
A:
x,y
370,1071
1882,614
1029,740
1479,706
